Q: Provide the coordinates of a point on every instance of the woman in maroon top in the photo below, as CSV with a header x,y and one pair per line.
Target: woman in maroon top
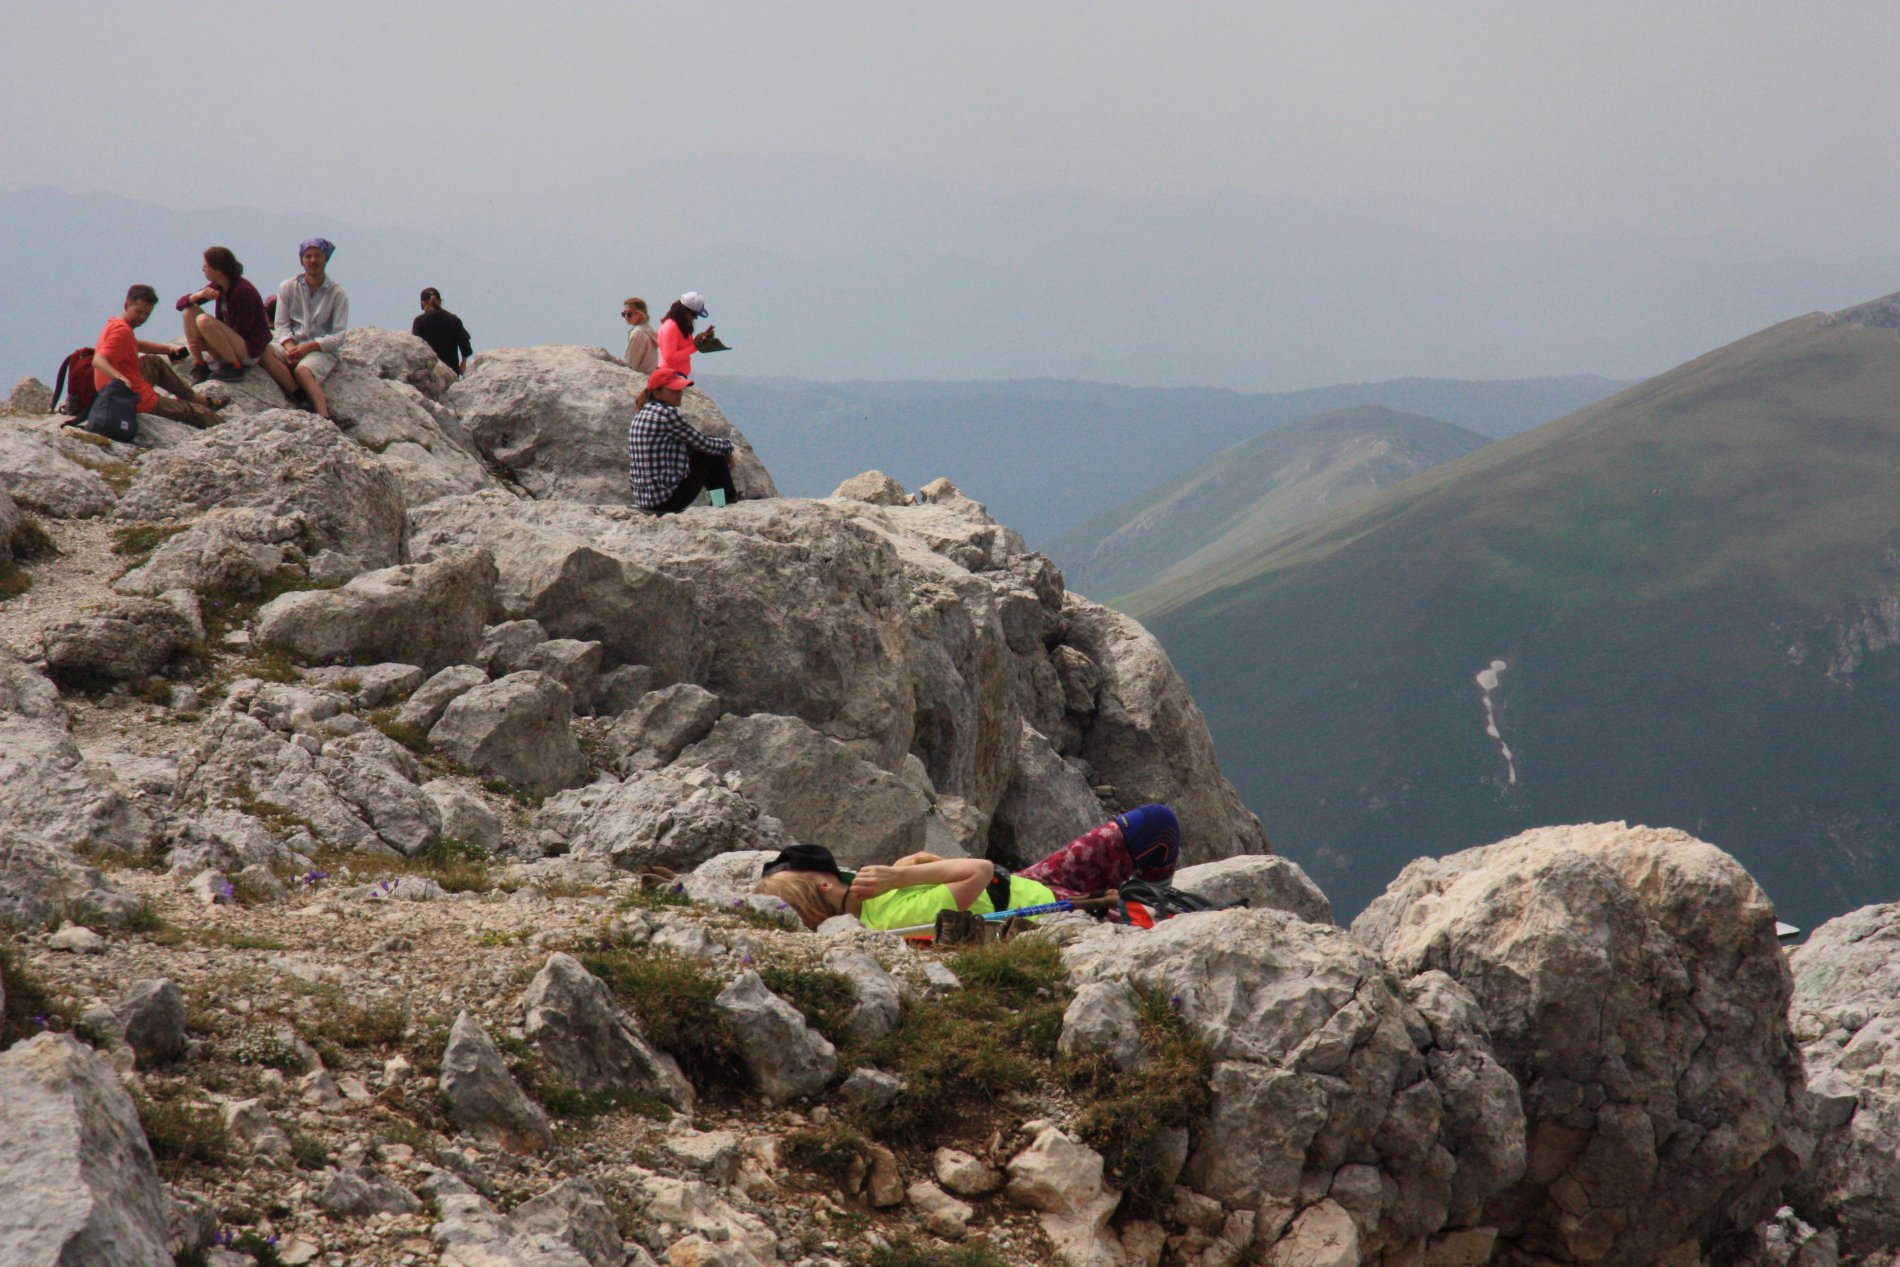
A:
x,y
228,341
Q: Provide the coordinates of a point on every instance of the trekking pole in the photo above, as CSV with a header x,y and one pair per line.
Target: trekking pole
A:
x,y
1047,908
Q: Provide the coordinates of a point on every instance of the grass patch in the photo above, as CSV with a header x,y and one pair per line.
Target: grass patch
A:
x,y
411,737
520,796
343,1024
277,817
903,1252
997,1034
224,611
31,541
28,1008
834,1151
265,664
137,541
182,1134
459,866
307,1151
673,999
14,580
659,899
259,1045
825,999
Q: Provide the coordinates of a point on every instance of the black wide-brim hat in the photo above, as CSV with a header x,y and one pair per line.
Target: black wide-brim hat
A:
x,y
815,858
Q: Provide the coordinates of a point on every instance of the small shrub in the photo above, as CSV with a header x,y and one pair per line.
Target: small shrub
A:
x,y
903,1252
143,919
459,866
138,541
14,580
411,737
673,999
182,1134
825,999
31,541
29,1007
308,1152
832,1151
260,1045
520,796
658,899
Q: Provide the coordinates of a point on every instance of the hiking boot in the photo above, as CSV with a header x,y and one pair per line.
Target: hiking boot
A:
x,y
199,373
228,373
342,423
298,400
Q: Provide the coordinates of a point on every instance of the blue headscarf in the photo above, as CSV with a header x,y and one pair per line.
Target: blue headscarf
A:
x,y
322,244
1152,835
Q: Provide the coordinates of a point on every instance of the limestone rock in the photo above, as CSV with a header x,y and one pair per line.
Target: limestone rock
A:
x,y
423,709
427,614
875,487
556,417
656,730
1633,985
505,647
152,1015
824,793
1048,804
286,462
36,474
1147,738
964,1174
786,1058
572,663
120,639
30,396
870,1090
573,1213
359,1192
370,685
552,570
229,552
661,818
398,356
1324,1235
77,1183
516,730
573,1021
422,444
482,1098
1260,880
878,1003
1062,1179
471,1234
464,817
1846,1013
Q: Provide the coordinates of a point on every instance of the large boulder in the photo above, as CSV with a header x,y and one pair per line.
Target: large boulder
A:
x,y
1258,880
661,818
516,730
1328,1082
1147,739
482,1098
77,1182
398,356
822,791
1048,803
1846,1013
1634,986
231,552
553,572
591,1041
422,442
287,462
117,640
786,1058
427,614
37,474
555,417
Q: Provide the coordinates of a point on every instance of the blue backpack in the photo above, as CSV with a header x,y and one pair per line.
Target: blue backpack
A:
x,y
114,413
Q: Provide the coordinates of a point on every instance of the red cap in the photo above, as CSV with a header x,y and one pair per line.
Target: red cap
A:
x,y
665,377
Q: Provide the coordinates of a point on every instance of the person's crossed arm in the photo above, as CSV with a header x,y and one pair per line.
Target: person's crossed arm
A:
x,y
965,877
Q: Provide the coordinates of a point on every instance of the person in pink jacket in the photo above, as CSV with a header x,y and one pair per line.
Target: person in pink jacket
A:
x,y
676,332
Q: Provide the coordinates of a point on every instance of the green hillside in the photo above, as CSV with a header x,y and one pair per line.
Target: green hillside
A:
x,y
1252,491
1691,586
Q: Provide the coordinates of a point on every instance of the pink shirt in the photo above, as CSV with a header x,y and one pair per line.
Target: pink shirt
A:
x,y
676,349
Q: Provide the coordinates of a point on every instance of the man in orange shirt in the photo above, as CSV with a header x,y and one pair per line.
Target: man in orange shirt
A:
x,y
123,356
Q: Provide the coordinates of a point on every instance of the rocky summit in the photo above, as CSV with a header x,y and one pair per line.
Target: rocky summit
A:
x,y
379,810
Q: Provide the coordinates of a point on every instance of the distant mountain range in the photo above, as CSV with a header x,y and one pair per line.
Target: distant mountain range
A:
x,y
1250,492
1678,607
1047,456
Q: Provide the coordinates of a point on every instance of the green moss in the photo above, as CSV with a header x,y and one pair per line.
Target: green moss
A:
x,y
137,541
672,997
182,1134
26,1001
904,1252
833,1151
825,999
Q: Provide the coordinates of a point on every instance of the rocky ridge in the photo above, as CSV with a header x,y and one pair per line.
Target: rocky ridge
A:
x,y
339,771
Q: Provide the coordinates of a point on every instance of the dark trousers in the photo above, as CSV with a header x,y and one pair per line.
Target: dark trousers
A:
x,y
707,471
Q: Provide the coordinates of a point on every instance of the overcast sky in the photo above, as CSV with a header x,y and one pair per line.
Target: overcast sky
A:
x,y
771,124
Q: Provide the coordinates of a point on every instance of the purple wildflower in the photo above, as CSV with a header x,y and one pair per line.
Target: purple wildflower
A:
x,y
1175,1002
313,875
40,1019
227,891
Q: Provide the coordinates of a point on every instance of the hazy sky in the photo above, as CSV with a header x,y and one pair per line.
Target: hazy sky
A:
x,y
772,125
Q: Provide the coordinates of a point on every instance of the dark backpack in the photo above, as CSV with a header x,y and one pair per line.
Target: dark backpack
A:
x,y
78,367
115,413
1163,900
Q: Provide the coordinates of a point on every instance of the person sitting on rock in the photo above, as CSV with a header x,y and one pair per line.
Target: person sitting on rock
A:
x,y
121,356
643,346
233,338
670,461
312,314
911,891
443,331
676,332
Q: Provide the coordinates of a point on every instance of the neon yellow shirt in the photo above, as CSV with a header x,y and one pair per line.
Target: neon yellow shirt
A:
x,y
919,903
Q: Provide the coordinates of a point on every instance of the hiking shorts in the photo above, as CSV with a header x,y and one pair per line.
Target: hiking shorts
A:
x,y
319,363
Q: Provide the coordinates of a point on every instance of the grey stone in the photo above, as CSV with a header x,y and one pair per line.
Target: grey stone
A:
x,y
287,462
1633,985
963,1174
77,1183
941,1212
1048,804
464,816
228,552
119,639
152,1015
786,1058
574,1213
1261,880
418,441
1102,1020
77,939
422,710
878,1003
482,1098
656,730
714,1154
573,1021
875,487
428,614
35,473
505,647
659,819
370,685
398,356
822,791
359,1192
870,1090
517,730
725,876
471,1234
30,396
572,663
621,688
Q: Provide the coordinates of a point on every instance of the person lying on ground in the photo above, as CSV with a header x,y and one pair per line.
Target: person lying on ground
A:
x,y
312,314
676,332
643,346
121,356
443,331
232,338
670,461
911,891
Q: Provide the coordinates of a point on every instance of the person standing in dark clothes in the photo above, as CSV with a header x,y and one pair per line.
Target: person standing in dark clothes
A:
x,y
670,461
442,330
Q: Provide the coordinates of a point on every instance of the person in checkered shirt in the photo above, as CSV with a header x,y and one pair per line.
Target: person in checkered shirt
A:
x,y
670,461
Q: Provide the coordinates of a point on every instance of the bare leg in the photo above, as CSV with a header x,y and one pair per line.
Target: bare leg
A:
x,y
279,369
222,341
193,339
313,389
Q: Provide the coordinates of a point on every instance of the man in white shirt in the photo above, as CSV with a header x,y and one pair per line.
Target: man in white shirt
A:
x,y
312,314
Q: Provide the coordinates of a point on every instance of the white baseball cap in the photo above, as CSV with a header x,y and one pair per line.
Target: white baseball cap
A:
x,y
697,302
